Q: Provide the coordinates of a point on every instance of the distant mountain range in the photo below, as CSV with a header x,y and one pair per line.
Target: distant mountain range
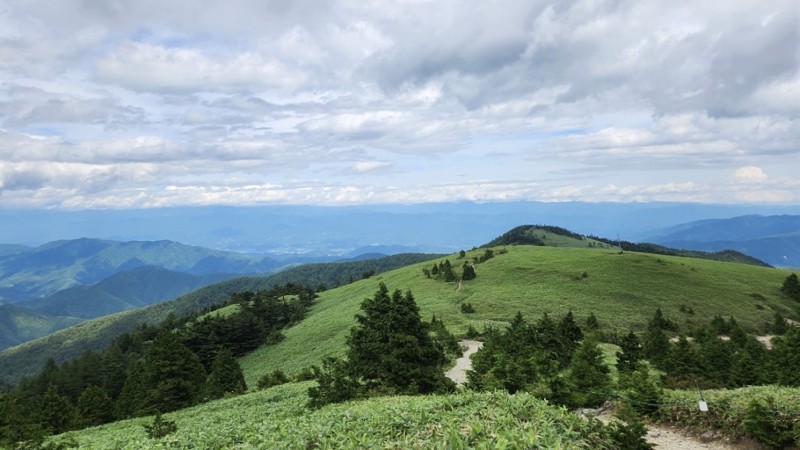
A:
x,y
122,291
30,273
772,239
62,283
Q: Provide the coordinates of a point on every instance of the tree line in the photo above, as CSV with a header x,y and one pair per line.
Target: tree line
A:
x,y
178,363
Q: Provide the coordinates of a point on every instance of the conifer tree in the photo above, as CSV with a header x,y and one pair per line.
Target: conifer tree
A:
x,y
95,407
226,376
786,357
588,374
791,287
468,273
56,411
391,348
630,353
655,346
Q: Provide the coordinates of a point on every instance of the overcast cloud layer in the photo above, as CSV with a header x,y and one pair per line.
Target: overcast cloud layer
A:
x,y
116,104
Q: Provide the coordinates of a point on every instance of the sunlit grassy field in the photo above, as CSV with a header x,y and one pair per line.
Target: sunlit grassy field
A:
x,y
622,290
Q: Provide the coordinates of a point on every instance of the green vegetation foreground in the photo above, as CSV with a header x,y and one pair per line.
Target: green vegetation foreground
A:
x,y
277,419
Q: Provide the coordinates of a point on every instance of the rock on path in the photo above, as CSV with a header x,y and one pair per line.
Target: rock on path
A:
x,y
459,372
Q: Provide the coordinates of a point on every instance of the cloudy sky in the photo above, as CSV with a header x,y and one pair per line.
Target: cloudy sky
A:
x,y
117,103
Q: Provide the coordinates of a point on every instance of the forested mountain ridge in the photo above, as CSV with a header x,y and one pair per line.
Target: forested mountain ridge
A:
x,y
95,334
18,324
773,239
28,273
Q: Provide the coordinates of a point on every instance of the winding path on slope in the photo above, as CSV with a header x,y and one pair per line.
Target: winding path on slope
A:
x,y
459,372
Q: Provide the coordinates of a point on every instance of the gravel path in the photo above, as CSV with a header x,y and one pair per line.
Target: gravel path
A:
x,y
459,372
670,439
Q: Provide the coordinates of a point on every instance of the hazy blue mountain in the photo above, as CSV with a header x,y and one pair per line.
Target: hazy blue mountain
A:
x,y
773,239
8,249
18,324
289,231
95,334
130,289
55,266
126,290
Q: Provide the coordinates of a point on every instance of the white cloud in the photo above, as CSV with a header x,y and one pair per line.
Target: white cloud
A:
x,y
750,174
256,101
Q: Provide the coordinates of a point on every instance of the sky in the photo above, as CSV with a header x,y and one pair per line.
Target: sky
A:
x,y
113,104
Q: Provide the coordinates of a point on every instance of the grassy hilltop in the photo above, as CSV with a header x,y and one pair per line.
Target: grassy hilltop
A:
x,y
622,290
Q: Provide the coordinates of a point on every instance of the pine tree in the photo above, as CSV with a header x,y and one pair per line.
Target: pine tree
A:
x,y
226,376
791,287
786,357
95,407
569,330
655,346
630,354
468,272
589,375
591,322
173,375
56,411
391,348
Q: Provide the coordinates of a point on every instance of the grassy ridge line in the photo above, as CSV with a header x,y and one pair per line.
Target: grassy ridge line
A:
x,y
96,334
276,419
623,290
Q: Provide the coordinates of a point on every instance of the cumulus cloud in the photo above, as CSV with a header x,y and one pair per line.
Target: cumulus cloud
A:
x,y
248,101
750,174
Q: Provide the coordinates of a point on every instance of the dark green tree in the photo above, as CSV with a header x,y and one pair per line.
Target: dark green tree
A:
x,y
655,346
591,322
630,353
226,376
334,384
662,323
570,331
468,272
174,374
56,412
94,407
642,391
716,359
391,349
786,357
682,364
791,287
589,375
448,274
133,399
779,326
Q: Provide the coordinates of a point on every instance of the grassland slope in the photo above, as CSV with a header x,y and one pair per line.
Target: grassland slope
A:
x,y
96,334
622,290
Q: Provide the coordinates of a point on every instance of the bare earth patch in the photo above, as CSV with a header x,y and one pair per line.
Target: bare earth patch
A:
x,y
459,372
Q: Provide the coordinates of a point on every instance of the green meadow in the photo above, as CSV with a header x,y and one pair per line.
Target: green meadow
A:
x,y
622,290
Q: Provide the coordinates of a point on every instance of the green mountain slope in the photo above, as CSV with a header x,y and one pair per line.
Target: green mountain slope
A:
x,y
120,292
125,290
30,357
623,290
18,324
59,265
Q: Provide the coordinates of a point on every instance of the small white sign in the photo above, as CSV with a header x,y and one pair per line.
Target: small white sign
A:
x,y
703,406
